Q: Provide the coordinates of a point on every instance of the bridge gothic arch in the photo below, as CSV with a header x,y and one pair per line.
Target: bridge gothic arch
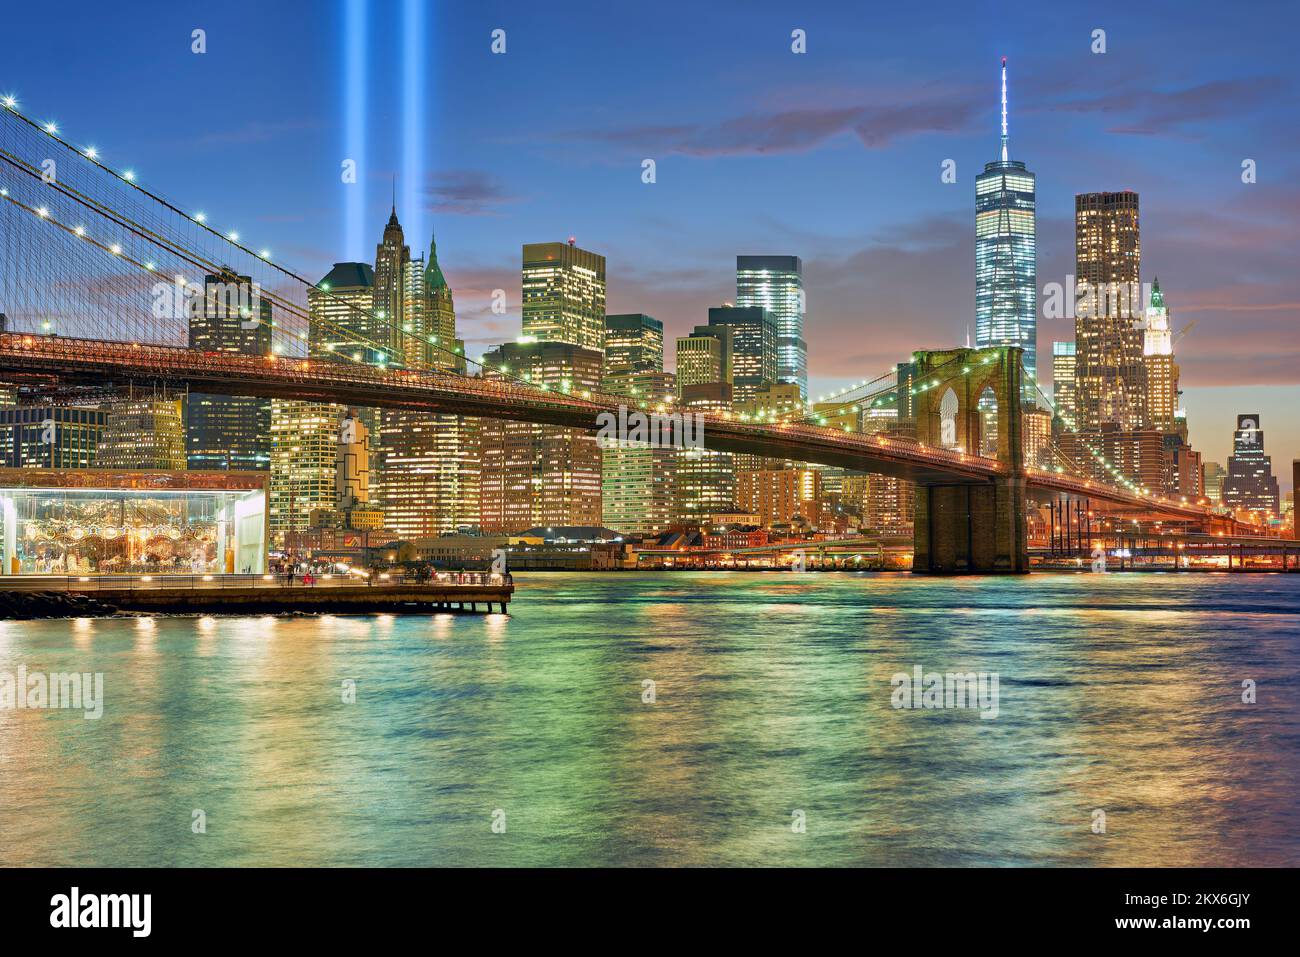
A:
x,y
976,526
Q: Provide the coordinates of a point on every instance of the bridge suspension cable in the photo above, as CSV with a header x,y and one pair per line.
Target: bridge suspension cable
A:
x,y
156,236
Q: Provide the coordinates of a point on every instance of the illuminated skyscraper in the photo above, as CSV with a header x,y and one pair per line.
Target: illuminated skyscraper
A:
x,y
1161,372
704,357
429,470
380,324
229,431
633,343
142,432
342,323
1250,485
304,435
535,475
1063,385
539,475
775,283
638,482
1109,385
50,437
1006,310
564,294
427,322
706,480
753,347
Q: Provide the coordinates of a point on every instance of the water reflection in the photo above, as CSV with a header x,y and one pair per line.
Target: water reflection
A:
x,y
677,719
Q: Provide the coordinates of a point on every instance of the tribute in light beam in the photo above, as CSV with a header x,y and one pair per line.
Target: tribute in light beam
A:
x,y
413,78
354,146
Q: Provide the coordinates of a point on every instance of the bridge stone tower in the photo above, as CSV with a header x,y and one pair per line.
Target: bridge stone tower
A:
x,y
973,527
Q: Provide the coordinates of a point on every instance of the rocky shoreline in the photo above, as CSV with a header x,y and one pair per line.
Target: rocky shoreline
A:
x,y
27,606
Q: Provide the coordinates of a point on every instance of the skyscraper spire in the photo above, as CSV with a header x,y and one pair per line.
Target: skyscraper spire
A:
x,y
1005,255
1004,109
392,217
432,271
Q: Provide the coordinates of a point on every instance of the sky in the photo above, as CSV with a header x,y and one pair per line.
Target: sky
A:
x,y
834,155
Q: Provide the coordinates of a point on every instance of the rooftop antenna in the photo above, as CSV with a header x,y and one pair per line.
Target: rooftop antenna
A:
x,y
1004,109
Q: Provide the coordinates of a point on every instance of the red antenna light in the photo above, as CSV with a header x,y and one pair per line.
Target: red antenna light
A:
x,y
573,241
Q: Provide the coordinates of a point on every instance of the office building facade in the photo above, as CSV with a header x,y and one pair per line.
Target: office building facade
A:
x,y
634,342
753,347
564,294
1109,343
52,437
1250,485
143,432
229,432
1063,387
775,283
535,475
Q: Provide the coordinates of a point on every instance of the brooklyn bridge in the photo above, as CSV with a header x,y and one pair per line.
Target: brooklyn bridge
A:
x,y
85,248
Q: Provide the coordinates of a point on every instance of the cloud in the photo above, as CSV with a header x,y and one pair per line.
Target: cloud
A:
x,y
798,130
467,192
1150,112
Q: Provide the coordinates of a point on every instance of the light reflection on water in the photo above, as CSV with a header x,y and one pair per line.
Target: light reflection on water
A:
x,y
1118,692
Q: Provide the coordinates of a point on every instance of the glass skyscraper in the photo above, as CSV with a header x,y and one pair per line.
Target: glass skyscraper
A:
x,y
753,346
1006,312
776,284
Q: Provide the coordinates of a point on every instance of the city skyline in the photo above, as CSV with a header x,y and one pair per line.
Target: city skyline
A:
x,y
444,434
1219,252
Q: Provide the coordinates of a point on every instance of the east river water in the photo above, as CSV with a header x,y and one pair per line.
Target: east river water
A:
x,y
1121,735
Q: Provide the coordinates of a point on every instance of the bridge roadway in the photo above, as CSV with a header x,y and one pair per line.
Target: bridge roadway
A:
x,y
87,361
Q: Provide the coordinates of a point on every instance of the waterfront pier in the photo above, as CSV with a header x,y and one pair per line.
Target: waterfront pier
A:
x,y
468,592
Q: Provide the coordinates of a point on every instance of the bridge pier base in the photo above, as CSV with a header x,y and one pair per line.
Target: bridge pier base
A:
x,y
971,529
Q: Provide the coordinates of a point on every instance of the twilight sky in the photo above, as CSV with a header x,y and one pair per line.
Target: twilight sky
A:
x,y
833,155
